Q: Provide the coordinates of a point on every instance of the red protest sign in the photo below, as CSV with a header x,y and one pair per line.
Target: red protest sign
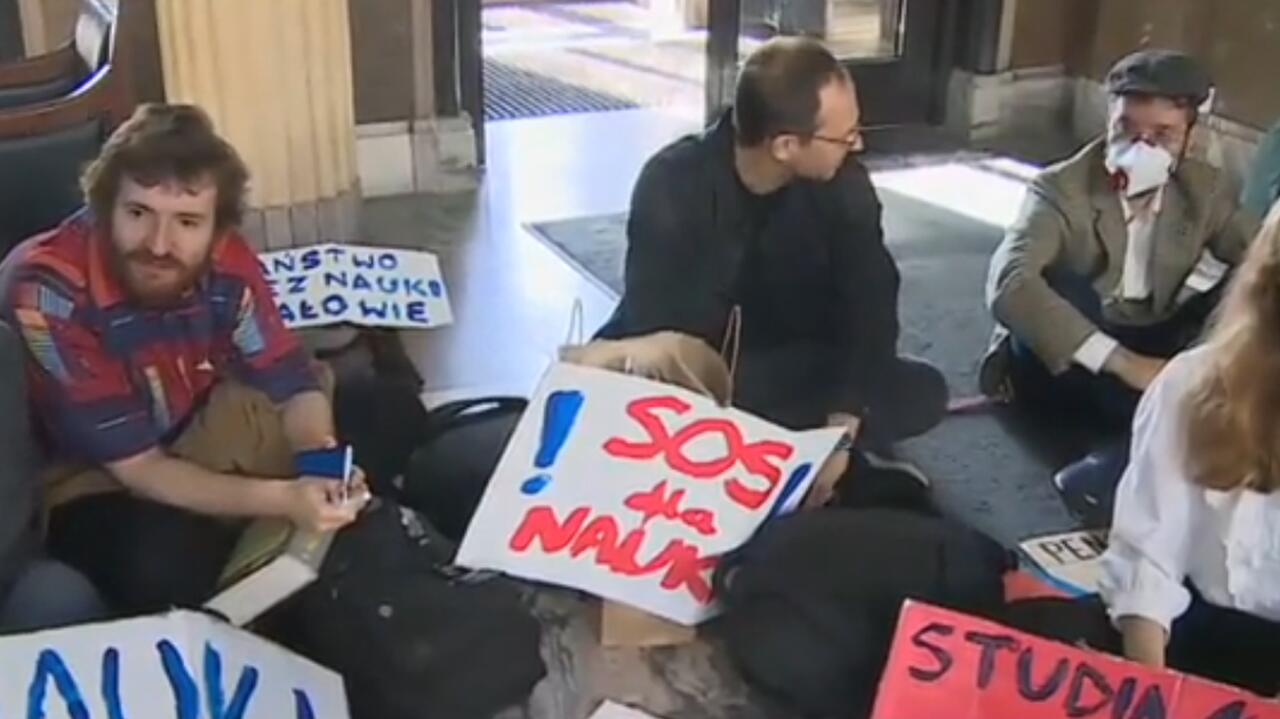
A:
x,y
948,665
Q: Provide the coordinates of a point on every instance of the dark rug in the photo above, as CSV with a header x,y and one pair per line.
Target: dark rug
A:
x,y
511,92
991,469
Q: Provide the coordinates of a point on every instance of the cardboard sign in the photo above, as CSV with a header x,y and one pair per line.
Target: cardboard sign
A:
x,y
1070,562
632,489
374,286
947,665
182,665
622,625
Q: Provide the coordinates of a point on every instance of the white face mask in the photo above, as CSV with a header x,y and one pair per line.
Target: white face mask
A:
x,y
1144,166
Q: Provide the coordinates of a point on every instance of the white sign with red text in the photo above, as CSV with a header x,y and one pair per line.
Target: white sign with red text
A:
x,y
631,489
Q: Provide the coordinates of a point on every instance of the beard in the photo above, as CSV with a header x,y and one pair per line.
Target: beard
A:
x,y
156,282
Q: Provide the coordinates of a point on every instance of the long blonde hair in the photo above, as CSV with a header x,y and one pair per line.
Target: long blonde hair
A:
x,y
1233,426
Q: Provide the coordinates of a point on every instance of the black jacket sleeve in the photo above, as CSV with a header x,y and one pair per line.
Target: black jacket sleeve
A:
x,y
667,285
866,284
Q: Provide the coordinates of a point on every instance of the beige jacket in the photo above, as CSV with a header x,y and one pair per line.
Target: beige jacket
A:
x,y
1072,219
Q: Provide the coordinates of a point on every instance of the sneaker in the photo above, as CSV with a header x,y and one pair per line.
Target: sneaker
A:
x,y
877,481
1088,486
882,463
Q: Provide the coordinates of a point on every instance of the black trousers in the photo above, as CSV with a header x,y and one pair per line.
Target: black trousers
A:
x,y
1225,645
1102,399
792,384
143,556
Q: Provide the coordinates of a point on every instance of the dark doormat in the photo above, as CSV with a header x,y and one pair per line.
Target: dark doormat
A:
x,y
990,469
512,93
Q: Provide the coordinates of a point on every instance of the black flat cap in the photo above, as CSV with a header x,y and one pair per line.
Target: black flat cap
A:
x,y
1162,73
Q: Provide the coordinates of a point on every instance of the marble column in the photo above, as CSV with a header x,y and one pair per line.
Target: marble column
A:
x,y
275,75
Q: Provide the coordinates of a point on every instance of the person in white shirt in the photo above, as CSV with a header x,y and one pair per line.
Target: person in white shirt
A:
x,y
1191,578
1112,267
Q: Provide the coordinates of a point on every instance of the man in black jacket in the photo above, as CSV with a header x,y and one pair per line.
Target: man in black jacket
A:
x,y
769,211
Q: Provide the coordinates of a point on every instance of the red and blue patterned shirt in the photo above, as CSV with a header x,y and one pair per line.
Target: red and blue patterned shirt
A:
x,y
110,380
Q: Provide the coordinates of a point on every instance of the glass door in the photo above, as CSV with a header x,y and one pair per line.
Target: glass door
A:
x,y
895,49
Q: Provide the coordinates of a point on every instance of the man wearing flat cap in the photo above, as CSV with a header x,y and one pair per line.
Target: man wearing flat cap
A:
x,y
1113,265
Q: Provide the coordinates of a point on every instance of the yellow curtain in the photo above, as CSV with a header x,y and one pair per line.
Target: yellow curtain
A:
x,y
275,75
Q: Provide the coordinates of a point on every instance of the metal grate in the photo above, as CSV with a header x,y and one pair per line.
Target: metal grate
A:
x,y
512,92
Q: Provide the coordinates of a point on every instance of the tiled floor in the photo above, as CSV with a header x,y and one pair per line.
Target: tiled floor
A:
x,y
512,295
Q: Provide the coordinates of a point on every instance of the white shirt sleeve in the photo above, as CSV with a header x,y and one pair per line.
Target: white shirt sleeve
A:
x,y
1145,565
1094,352
1207,273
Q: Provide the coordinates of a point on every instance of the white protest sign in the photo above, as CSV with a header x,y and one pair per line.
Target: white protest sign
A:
x,y
375,286
613,710
181,665
1071,561
631,489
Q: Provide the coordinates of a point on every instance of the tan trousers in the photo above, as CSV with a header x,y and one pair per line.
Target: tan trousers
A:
x,y
238,430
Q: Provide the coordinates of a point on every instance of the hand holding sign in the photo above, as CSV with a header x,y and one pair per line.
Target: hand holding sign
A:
x,y
632,489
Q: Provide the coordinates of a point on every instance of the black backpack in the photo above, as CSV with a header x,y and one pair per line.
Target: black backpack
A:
x,y
412,635
384,422
448,472
812,600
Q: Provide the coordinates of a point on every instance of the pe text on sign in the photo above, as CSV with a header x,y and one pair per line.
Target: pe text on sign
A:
x,y
632,489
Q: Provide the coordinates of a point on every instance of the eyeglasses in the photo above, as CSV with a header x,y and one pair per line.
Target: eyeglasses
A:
x,y
853,142
1166,135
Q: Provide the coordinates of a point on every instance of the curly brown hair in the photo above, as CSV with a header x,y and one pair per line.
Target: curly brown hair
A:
x,y
166,143
1233,413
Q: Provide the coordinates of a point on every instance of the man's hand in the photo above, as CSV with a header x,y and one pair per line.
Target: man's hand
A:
x,y
823,488
1135,370
317,504
358,488
666,356
833,470
1144,641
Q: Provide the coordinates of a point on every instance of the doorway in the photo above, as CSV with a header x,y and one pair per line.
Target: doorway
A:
x,y
896,50
557,57
533,58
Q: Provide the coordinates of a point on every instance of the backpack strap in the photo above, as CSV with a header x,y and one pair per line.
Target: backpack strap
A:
x,y
731,346
465,409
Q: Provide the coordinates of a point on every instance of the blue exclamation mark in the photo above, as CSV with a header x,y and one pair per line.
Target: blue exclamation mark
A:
x,y
558,419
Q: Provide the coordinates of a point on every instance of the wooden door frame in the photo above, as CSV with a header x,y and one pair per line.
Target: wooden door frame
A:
x,y
12,46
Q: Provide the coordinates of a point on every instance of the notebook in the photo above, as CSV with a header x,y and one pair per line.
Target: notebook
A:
x,y
273,560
